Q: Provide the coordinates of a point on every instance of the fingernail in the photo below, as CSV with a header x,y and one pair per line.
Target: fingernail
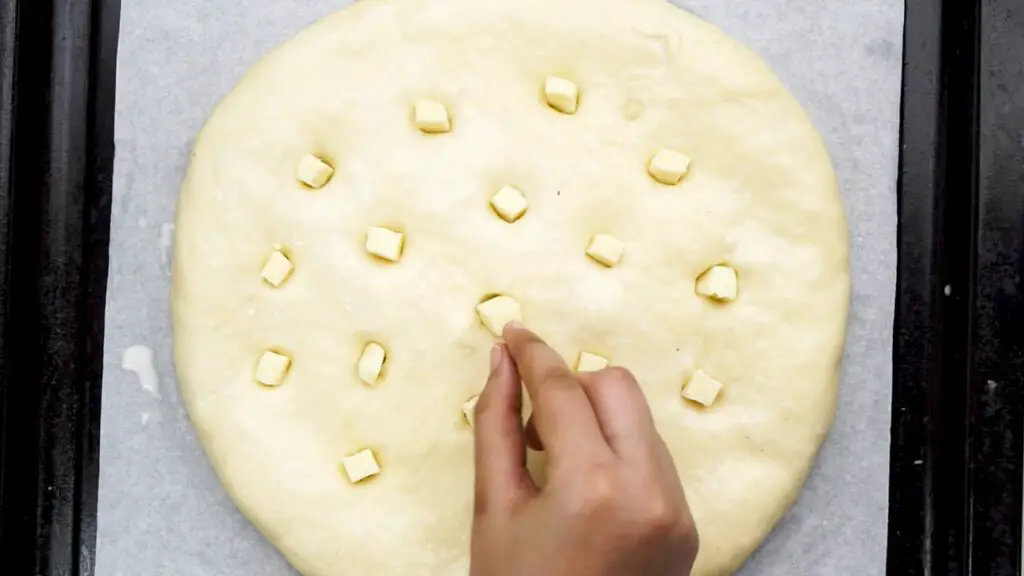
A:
x,y
495,356
516,324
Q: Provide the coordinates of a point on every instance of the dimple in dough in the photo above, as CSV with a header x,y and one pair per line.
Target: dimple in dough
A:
x,y
778,221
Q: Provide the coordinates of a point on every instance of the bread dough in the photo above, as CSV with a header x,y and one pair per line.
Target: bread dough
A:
x,y
760,195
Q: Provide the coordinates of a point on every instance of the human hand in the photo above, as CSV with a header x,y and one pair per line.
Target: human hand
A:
x,y
612,505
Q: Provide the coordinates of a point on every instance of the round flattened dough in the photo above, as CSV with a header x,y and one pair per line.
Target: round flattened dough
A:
x,y
760,195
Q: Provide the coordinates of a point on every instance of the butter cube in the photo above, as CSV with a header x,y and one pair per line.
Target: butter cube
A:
x,y
509,203
271,369
277,268
702,388
384,243
432,117
668,166
360,466
590,362
561,94
498,311
371,362
605,249
469,410
717,283
313,172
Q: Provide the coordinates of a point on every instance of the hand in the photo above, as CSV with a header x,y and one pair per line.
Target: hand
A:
x,y
612,505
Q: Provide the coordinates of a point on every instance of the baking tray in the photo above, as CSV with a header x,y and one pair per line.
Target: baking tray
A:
x,y
958,398
56,156
958,357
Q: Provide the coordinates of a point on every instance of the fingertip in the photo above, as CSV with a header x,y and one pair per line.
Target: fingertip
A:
x,y
501,393
511,328
517,338
498,434
496,354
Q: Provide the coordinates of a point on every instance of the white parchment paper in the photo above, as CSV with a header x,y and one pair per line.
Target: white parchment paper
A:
x,y
162,510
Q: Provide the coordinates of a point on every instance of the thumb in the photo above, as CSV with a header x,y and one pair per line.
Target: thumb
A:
x,y
500,448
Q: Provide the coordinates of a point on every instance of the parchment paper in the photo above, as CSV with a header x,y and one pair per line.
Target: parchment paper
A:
x,y
162,510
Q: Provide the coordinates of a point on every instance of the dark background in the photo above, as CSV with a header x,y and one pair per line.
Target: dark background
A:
x,y
958,397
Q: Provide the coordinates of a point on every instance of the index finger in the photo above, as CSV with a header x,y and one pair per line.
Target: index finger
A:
x,y
500,450
562,413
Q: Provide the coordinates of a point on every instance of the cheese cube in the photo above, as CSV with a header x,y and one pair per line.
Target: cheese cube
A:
x,y
277,268
509,203
360,466
498,311
271,369
605,249
668,166
717,283
432,117
561,94
702,388
384,243
313,172
590,362
371,362
469,410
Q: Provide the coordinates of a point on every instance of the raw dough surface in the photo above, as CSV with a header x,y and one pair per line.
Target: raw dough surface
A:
x,y
760,195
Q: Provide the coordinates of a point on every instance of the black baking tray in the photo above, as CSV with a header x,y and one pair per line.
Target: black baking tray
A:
x,y
958,364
